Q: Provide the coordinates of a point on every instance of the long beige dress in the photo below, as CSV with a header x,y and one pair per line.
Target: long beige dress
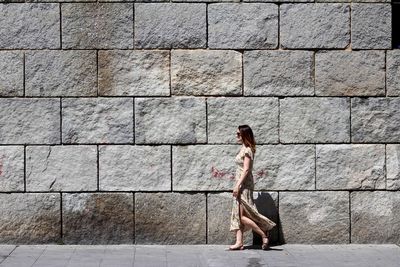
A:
x,y
246,196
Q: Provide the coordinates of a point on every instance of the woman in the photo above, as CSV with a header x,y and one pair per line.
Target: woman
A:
x,y
244,215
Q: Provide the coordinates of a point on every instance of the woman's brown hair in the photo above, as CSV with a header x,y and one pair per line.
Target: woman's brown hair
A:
x,y
247,137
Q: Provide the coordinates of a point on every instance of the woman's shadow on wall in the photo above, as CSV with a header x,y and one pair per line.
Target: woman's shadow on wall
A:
x,y
267,206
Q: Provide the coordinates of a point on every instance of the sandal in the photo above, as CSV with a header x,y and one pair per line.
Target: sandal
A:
x,y
241,247
265,245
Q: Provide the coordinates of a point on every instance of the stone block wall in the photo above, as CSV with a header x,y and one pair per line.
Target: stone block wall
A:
x,y
118,119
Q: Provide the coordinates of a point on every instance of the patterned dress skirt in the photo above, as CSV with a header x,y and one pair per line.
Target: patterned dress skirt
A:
x,y
250,210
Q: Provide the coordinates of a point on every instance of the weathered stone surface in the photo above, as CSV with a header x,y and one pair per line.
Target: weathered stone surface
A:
x,y
11,73
182,218
11,168
355,166
375,119
226,114
29,120
375,217
61,168
315,120
393,166
98,218
61,73
284,167
203,168
314,217
273,73
243,25
134,168
175,120
371,26
170,25
219,208
345,73
30,218
29,26
134,72
97,120
206,72
97,25
314,25
212,167
392,72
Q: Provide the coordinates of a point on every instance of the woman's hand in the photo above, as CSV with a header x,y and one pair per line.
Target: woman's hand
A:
x,y
236,191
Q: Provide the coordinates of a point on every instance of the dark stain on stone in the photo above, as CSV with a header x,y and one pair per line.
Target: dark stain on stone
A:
x,y
254,262
105,219
105,75
1,165
38,229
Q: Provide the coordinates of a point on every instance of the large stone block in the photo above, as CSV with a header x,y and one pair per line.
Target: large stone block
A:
x,y
97,120
97,25
355,166
61,73
315,120
29,120
375,119
375,217
134,168
371,26
170,120
284,167
345,73
170,218
314,217
315,25
243,25
226,114
281,73
219,208
393,166
11,73
206,72
11,168
61,168
392,72
30,218
98,218
170,25
29,26
203,168
134,72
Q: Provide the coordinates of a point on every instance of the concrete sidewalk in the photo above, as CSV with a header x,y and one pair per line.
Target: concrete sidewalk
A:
x,y
198,255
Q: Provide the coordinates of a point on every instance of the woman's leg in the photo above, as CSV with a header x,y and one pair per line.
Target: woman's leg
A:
x,y
239,240
247,221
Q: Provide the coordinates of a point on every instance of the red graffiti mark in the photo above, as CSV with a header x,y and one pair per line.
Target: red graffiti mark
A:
x,y
261,173
217,173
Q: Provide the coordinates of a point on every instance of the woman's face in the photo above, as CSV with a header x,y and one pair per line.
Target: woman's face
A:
x,y
238,137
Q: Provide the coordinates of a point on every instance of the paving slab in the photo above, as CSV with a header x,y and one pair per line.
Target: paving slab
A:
x,y
288,255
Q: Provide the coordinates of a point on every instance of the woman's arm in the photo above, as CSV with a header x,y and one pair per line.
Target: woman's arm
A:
x,y
246,169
